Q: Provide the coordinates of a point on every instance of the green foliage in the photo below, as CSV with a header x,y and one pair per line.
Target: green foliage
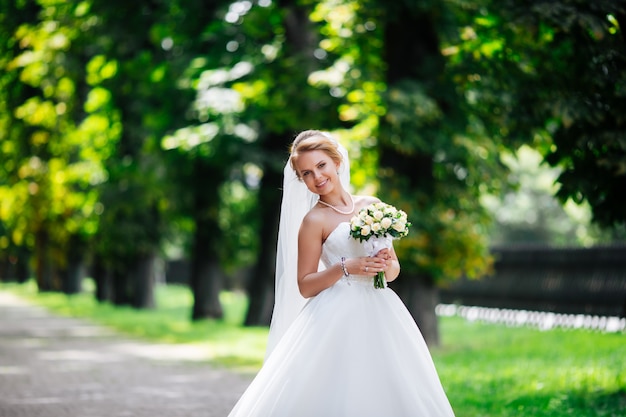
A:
x,y
48,188
351,45
588,102
433,159
239,223
553,77
131,121
130,222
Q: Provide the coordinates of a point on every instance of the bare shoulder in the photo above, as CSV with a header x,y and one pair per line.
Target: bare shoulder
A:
x,y
361,201
313,224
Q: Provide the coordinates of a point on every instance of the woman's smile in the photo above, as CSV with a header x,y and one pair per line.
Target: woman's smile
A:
x,y
322,184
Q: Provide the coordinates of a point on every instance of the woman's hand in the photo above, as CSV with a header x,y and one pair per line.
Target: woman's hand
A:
x,y
392,266
384,254
366,265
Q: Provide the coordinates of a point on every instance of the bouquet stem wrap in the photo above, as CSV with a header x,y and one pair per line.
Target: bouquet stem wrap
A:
x,y
373,246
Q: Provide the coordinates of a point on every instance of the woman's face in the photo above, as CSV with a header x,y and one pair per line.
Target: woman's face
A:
x,y
318,171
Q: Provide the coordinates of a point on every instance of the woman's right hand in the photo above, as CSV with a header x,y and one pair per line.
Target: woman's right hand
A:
x,y
366,265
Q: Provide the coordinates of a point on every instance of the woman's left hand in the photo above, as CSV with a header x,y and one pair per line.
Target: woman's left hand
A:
x,y
392,268
384,254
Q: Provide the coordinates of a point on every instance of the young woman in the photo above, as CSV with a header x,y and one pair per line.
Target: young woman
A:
x,y
338,347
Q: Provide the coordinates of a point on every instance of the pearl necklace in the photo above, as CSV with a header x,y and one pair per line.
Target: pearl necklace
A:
x,y
336,209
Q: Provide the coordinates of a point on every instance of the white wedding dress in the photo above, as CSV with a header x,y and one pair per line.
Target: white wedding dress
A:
x,y
353,351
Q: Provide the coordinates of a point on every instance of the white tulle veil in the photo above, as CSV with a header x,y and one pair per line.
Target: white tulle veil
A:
x,y
297,201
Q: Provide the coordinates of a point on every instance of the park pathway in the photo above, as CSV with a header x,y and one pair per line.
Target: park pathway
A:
x,y
54,366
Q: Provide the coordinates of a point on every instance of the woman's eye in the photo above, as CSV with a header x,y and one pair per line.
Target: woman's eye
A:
x,y
322,165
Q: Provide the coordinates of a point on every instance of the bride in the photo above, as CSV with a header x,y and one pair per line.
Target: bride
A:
x,y
338,347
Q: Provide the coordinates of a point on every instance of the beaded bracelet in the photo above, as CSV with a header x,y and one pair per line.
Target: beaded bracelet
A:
x,y
343,267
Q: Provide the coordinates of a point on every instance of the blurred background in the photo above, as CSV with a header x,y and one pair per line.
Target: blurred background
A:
x,y
143,142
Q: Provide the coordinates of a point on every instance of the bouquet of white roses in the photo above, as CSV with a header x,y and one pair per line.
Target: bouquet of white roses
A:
x,y
377,225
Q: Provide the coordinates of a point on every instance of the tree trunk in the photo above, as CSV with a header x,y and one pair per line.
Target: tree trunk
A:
x,y
261,282
133,283
206,284
121,293
205,278
143,279
9,267
205,275
412,54
43,259
6,274
102,280
73,277
22,268
421,296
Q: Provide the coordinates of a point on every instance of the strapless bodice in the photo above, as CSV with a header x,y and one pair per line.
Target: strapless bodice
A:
x,y
339,243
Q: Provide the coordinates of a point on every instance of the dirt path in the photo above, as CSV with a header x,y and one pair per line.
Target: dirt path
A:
x,y
60,367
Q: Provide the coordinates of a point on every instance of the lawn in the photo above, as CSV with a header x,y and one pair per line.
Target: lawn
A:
x,y
488,370
494,370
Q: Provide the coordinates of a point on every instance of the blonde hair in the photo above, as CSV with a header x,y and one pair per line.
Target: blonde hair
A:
x,y
314,140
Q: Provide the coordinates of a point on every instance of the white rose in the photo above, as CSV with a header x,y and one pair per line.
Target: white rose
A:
x,y
385,222
376,227
399,226
378,215
365,230
369,220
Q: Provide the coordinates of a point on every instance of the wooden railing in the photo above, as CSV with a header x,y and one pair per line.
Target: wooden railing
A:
x,y
572,281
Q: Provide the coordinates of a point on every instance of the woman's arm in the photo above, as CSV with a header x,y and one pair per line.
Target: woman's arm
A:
x,y
310,240
311,282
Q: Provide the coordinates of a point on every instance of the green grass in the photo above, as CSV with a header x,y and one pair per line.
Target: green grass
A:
x,y
487,370
494,370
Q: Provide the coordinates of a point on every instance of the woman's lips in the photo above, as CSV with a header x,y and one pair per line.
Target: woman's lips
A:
x,y
321,184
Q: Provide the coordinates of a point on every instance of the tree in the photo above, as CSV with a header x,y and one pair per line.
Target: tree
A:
x,y
55,165
203,157
551,74
14,242
427,152
204,153
278,102
411,133
588,121
142,87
